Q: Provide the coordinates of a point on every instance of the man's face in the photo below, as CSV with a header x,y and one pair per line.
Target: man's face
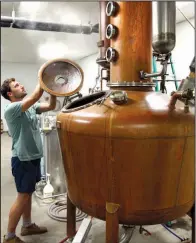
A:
x,y
17,90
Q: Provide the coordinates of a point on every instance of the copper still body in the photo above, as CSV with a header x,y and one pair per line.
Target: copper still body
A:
x,y
128,152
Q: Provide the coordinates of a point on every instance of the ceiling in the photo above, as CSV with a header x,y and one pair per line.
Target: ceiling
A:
x,y
29,46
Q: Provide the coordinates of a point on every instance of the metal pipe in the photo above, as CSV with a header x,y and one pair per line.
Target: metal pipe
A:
x,y
106,78
164,62
164,26
127,235
22,23
104,21
193,222
144,75
104,43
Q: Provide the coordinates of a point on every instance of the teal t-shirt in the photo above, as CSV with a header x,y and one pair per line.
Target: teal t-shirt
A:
x,y
24,130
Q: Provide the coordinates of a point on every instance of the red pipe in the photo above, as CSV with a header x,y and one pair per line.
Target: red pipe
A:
x,y
64,239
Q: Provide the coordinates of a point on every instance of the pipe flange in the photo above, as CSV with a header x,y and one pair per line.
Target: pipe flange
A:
x,y
131,84
111,31
111,8
111,54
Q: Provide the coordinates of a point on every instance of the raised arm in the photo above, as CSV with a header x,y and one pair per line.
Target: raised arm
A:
x,y
43,107
31,100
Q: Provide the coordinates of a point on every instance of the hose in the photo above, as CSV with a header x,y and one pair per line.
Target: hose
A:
x,y
64,240
181,239
61,205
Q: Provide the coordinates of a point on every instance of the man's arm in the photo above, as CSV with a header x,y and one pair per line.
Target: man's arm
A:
x,y
31,100
43,107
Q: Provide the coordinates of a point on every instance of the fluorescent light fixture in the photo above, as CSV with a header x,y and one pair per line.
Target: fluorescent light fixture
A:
x,y
52,50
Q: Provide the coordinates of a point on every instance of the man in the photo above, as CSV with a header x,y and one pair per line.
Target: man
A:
x,y
27,152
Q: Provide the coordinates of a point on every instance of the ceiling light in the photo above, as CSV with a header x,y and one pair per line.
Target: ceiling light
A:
x,y
52,50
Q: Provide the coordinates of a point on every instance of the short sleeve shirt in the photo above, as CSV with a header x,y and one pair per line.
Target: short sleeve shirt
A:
x,y
24,130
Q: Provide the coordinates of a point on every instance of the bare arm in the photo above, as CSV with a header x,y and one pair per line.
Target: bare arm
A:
x,y
48,106
28,102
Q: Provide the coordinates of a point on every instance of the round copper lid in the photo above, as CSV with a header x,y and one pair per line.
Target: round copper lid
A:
x,y
61,77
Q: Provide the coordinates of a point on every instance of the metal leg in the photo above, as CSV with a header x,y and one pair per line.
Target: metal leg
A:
x,y
112,227
71,218
127,235
193,223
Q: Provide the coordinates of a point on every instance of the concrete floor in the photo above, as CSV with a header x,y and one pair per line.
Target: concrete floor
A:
x,y
57,230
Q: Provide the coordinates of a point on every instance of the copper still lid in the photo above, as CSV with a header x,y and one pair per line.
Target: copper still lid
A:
x,y
61,77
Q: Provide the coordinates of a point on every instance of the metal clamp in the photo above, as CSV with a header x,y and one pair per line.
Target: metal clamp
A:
x,y
111,31
58,124
111,54
119,97
111,8
187,95
102,100
100,43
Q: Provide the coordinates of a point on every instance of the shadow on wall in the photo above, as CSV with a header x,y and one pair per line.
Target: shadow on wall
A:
x,y
4,103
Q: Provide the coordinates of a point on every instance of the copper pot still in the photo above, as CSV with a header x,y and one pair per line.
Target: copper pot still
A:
x,y
128,152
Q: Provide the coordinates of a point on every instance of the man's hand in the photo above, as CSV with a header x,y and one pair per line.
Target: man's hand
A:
x,y
48,106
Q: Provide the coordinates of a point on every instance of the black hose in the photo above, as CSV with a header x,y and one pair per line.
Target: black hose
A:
x,y
173,233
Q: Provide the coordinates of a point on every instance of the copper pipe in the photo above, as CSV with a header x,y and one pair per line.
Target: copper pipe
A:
x,y
174,98
71,218
186,95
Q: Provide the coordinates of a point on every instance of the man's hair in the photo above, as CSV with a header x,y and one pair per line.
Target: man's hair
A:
x,y
5,87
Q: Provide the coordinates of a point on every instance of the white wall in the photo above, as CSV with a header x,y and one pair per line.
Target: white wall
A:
x,y
184,50
90,69
26,74
182,56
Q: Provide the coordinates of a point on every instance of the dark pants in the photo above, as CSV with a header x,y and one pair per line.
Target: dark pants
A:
x,y
26,174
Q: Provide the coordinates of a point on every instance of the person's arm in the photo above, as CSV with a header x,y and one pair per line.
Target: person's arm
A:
x,y
43,107
31,100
